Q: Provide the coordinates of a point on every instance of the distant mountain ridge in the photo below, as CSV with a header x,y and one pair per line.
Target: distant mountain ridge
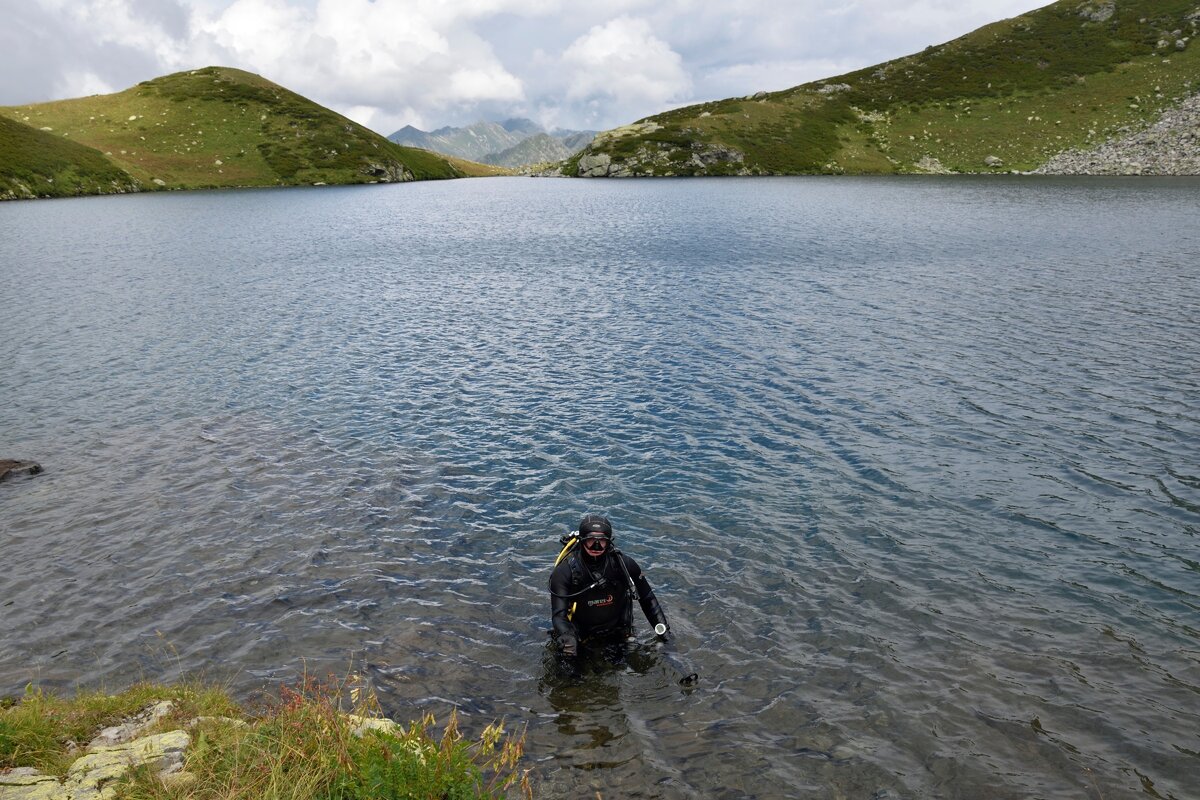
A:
x,y
515,142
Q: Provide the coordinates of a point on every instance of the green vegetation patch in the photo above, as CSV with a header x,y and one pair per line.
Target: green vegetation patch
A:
x,y
1044,50
1065,76
41,730
217,127
791,138
1025,129
302,745
36,163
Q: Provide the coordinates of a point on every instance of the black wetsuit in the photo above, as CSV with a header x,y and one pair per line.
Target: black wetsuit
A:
x,y
605,610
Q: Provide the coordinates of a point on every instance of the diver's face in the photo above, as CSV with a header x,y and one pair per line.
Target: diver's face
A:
x,y
595,544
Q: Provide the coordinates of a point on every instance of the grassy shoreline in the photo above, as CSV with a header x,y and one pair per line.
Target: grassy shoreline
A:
x,y
309,741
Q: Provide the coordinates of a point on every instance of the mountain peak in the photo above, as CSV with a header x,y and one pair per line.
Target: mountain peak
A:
x,y
522,125
515,142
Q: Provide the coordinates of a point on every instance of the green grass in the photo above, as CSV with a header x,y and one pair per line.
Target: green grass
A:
x,y
36,163
297,746
220,127
41,729
1022,89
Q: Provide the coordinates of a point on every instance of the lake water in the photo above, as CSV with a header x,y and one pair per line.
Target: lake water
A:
x,y
913,464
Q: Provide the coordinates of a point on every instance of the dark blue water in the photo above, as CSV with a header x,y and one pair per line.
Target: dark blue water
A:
x,y
914,466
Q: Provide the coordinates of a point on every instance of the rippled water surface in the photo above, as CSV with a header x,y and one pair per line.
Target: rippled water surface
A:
x,y
914,466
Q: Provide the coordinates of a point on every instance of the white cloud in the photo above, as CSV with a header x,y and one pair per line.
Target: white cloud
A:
x,y
481,84
386,63
770,76
368,57
623,63
82,84
127,24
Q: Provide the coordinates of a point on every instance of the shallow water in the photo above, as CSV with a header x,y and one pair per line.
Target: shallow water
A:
x,y
913,464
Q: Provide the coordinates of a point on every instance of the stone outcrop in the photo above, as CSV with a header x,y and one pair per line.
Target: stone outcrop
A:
x,y
133,728
118,749
110,755
1171,146
931,166
1098,11
10,468
708,155
92,776
661,158
598,165
388,172
360,725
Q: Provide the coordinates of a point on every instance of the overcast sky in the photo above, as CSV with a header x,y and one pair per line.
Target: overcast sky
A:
x,y
386,63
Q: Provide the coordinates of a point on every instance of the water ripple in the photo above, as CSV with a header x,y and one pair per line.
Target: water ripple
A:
x,y
912,464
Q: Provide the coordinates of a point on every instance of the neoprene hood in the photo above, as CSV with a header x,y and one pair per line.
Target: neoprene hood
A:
x,y
594,523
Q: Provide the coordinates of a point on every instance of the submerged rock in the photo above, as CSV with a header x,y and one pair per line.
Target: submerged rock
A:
x,y
10,468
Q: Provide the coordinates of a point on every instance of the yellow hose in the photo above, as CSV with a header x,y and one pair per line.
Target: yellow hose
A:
x,y
565,550
562,554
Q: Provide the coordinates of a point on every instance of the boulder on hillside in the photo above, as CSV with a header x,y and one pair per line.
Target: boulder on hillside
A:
x,y
595,165
1098,11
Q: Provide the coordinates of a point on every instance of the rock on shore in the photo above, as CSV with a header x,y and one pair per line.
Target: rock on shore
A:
x,y
118,749
1170,146
110,756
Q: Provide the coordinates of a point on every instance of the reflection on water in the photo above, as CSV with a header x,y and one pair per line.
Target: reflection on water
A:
x,y
910,463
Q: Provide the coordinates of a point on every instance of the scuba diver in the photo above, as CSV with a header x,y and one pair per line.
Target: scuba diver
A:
x,y
592,591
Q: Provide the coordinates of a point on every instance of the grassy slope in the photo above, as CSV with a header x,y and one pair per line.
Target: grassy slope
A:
x,y
473,169
296,747
37,163
218,127
1020,89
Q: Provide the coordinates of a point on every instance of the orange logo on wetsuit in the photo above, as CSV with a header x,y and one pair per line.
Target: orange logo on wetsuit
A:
x,y
603,601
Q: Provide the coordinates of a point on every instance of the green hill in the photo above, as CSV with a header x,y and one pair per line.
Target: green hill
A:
x,y
35,163
207,128
1005,97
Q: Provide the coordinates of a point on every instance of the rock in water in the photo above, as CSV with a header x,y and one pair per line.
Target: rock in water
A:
x,y
9,468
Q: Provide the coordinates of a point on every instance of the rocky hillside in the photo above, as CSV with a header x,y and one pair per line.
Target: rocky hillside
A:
x,y
212,127
1171,146
1077,76
512,143
536,149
